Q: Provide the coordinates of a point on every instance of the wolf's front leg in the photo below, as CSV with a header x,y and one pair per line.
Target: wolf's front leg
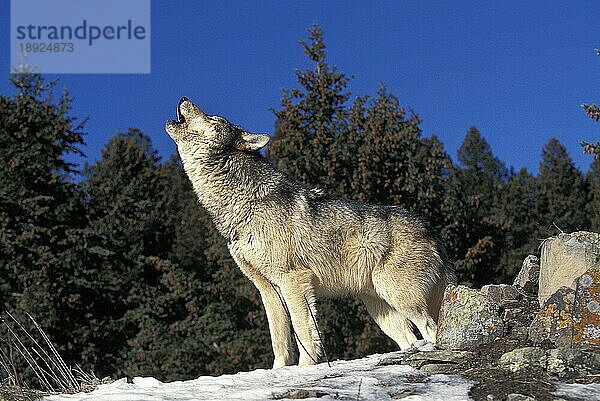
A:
x,y
277,316
279,326
298,293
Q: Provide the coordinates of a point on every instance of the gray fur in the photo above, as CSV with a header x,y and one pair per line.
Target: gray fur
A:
x,y
296,243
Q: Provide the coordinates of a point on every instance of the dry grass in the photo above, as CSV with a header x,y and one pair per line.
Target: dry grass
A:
x,y
19,347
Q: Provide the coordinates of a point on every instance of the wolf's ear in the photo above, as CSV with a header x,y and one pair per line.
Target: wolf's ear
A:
x,y
250,142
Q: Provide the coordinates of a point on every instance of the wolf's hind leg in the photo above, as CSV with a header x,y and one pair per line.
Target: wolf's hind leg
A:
x,y
393,323
424,323
405,294
415,311
298,293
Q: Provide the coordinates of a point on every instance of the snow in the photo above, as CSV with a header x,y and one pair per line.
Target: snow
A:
x,y
587,392
340,381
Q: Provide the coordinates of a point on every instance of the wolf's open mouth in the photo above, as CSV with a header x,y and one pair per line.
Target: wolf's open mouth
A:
x,y
180,117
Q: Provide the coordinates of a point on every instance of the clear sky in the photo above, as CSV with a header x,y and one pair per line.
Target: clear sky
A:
x,y
517,70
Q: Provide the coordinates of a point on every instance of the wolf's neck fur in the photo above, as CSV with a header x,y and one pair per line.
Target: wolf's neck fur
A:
x,y
229,186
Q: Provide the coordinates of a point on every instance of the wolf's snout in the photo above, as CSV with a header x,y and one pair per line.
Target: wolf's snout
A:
x,y
189,117
187,110
184,107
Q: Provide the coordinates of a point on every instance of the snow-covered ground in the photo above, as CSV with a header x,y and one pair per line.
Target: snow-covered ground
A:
x,y
359,379
584,392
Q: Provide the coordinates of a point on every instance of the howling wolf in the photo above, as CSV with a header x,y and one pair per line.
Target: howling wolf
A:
x,y
296,243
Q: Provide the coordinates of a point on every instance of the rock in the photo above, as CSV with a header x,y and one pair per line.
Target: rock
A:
x,y
519,333
525,359
519,397
518,319
421,358
438,368
570,362
564,258
300,394
571,316
554,321
502,294
511,314
555,364
401,395
468,319
443,357
395,358
529,275
564,363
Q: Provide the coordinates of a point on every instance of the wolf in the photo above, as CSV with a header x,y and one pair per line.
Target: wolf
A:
x,y
296,243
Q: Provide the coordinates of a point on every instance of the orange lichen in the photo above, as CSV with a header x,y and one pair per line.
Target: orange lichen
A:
x,y
587,326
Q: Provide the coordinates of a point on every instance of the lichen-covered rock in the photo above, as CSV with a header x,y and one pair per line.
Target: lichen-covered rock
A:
x,y
441,357
468,319
565,362
571,316
445,368
554,322
518,315
300,394
586,319
529,275
502,294
570,362
527,359
519,397
564,258
510,314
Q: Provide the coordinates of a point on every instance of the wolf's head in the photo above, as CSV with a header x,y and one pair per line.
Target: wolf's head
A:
x,y
195,132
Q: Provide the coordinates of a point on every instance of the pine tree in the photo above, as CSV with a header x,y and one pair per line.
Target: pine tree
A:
x,y
36,193
593,112
394,164
129,217
41,211
514,218
471,194
593,206
562,192
310,115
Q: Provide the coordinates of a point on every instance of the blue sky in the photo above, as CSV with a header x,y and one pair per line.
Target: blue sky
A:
x,y
518,71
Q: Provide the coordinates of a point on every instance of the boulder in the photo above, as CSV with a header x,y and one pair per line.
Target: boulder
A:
x,y
519,397
300,394
571,362
445,368
564,363
442,357
571,316
528,278
564,258
527,359
468,318
518,320
502,294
